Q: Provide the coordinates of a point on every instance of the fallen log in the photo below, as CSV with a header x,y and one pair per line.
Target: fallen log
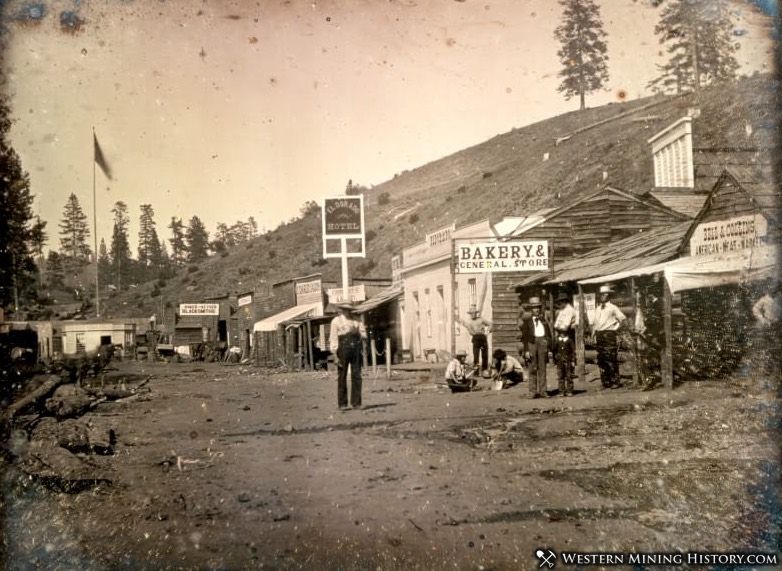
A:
x,y
68,401
50,383
59,469
75,435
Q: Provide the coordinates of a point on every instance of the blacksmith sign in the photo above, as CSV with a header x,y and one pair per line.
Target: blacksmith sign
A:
x,y
343,217
199,309
510,256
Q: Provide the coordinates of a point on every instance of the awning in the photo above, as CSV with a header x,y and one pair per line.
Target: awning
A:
x,y
693,272
385,296
271,323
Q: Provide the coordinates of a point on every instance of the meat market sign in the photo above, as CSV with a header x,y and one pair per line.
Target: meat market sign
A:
x,y
512,256
719,236
343,216
199,309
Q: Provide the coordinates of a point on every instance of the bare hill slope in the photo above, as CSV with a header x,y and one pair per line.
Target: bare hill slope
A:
x,y
545,164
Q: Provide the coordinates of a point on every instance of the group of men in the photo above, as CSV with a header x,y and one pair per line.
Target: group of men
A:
x,y
540,341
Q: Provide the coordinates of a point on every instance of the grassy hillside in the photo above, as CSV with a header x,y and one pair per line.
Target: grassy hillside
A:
x,y
545,164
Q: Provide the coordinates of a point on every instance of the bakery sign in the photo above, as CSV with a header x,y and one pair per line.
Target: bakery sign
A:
x,y
511,256
721,236
199,309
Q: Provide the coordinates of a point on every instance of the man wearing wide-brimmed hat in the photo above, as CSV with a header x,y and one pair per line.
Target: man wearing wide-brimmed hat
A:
x,y
564,341
536,343
605,326
347,336
457,376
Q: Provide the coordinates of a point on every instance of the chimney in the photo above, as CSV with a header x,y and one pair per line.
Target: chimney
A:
x,y
672,152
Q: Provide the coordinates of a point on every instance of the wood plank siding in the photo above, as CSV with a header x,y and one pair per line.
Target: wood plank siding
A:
x,y
594,222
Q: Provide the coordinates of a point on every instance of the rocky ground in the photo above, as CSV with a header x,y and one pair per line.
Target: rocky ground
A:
x,y
231,467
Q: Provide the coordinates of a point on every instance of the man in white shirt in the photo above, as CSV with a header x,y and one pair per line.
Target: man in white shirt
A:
x,y
607,321
478,327
507,368
536,343
564,342
346,339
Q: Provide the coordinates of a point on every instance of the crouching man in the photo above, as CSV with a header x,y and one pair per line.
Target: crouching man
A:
x,y
507,368
458,377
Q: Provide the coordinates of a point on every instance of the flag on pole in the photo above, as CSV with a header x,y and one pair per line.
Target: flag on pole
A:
x,y
100,159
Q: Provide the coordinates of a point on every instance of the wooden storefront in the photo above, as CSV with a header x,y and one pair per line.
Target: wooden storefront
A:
x,y
576,229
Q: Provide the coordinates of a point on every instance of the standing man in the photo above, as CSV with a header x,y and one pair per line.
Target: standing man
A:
x,y
608,319
345,341
564,330
479,328
536,340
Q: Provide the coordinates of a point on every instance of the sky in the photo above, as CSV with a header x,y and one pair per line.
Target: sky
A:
x,y
230,109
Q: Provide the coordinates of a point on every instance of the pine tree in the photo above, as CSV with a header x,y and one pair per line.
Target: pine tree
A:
x,y
197,240
104,265
55,273
121,263
584,52
74,233
699,43
149,257
177,241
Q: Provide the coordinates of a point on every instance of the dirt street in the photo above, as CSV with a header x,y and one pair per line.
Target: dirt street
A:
x,y
229,467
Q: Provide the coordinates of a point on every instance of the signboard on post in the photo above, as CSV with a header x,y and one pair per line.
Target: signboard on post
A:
x,y
245,299
343,229
720,236
510,256
343,221
199,309
355,294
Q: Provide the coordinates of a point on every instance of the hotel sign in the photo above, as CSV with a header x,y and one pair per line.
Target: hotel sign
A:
x,y
511,256
199,309
721,236
343,217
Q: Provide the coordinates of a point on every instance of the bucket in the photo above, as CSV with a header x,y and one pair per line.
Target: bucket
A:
x,y
496,385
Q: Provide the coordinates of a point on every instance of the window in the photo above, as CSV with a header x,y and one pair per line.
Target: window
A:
x,y
428,304
456,310
473,292
80,343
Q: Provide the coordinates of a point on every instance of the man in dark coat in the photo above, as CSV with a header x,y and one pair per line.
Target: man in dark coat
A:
x,y
536,344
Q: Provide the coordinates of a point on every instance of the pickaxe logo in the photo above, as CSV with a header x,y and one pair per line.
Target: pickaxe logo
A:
x,y
547,558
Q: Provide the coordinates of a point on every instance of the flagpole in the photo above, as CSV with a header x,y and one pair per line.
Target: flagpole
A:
x,y
95,232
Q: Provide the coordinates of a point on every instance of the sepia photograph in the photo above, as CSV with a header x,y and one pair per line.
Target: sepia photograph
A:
x,y
390,285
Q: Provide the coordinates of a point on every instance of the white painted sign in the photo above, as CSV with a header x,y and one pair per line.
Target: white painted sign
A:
x,y
733,234
511,256
199,309
590,302
441,236
356,293
244,300
309,292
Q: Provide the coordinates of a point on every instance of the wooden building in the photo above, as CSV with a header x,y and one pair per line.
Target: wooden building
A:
x,y
88,336
600,218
